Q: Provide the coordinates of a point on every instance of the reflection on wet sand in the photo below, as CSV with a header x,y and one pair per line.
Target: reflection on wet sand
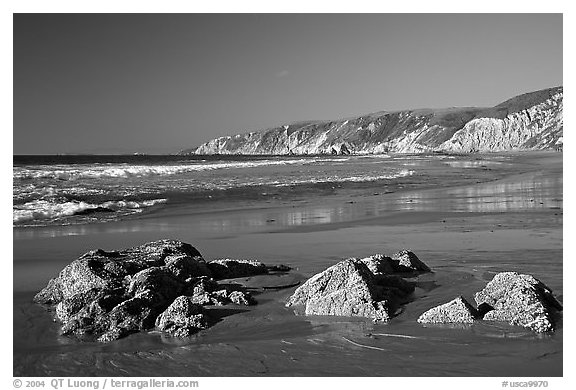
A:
x,y
533,193
471,164
529,194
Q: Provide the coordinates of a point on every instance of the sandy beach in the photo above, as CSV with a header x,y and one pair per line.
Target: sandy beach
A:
x,y
503,217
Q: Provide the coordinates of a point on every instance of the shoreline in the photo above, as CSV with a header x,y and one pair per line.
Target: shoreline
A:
x,y
452,172
523,164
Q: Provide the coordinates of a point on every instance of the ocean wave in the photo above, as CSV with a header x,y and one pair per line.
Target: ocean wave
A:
x,y
45,210
27,192
346,179
98,171
323,160
104,191
286,181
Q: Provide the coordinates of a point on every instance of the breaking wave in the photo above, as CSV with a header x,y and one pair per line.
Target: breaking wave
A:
x,y
98,171
39,210
349,179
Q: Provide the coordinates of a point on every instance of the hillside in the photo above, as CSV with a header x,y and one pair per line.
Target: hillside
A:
x,y
529,121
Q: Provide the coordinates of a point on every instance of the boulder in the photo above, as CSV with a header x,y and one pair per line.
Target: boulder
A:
x,y
106,271
241,298
206,291
67,308
201,291
110,294
379,264
349,288
456,311
183,318
230,268
130,316
407,261
51,294
89,319
107,319
156,252
403,262
519,300
185,267
79,277
156,284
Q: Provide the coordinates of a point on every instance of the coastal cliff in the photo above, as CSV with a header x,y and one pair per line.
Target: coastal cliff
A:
x,y
525,122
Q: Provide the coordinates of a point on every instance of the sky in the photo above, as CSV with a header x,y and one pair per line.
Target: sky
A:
x,y
160,83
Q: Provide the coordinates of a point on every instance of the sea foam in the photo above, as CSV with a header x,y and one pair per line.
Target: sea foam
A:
x,y
97,171
41,209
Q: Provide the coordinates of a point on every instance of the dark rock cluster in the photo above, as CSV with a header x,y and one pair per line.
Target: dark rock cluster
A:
x,y
163,284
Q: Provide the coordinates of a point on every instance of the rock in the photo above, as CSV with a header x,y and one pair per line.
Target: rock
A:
x,y
201,289
206,291
157,251
131,316
113,334
519,300
88,319
70,306
379,264
347,288
78,277
183,318
482,309
107,324
229,268
344,150
403,262
156,284
185,267
407,261
51,294
111,294
456,311
241,298
105,271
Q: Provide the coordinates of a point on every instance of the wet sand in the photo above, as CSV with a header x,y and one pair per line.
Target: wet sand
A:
x,y
510,221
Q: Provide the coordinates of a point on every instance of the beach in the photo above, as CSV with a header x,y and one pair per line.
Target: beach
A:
x,y
467,218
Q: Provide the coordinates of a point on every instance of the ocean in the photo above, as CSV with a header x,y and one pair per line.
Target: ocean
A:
x,y
85,189
62,190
